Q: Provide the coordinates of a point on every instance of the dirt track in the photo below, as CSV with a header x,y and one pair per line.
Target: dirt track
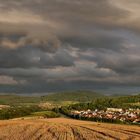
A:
x,y
65,129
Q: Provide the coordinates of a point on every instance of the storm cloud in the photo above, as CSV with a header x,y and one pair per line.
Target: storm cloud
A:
x,y
53,45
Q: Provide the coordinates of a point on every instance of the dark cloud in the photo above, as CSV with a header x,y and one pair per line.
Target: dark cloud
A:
x,y
50,45
28,57
98,43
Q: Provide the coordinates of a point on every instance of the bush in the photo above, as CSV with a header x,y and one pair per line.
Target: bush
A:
x,y
16,112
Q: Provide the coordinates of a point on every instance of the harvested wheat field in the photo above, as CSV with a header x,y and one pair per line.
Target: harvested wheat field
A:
x,y
65,129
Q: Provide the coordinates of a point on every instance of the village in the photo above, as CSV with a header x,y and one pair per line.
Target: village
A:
x,y
123,115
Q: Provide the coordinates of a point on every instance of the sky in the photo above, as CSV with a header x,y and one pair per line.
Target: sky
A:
x,y
59,45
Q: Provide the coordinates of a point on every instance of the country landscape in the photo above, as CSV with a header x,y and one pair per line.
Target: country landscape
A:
x,y
49,118
69,69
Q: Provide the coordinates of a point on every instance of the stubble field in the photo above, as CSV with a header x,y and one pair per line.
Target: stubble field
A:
x,y
65,129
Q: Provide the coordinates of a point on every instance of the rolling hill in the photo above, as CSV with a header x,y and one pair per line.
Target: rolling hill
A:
x,y
16,99
80,96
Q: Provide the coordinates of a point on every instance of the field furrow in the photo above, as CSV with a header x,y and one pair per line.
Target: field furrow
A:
x,y
65,129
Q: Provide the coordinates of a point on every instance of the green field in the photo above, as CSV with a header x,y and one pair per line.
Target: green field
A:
x,y
45,114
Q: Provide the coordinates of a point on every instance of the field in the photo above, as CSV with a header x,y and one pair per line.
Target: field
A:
x,y
65,129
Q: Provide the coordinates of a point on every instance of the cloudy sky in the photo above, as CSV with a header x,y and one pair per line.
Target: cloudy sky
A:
x,y
57,45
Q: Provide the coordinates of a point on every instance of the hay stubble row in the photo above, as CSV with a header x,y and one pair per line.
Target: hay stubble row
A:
x,y
65,129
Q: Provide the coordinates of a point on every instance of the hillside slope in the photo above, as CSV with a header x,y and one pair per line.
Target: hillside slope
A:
x,y
81,96
16,99
65,129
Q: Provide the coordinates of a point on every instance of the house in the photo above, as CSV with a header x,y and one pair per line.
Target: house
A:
x,y
4,106
115,109
136,121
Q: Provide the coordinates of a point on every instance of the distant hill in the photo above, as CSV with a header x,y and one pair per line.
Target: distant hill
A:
x,y
81,96
16,99
75,96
